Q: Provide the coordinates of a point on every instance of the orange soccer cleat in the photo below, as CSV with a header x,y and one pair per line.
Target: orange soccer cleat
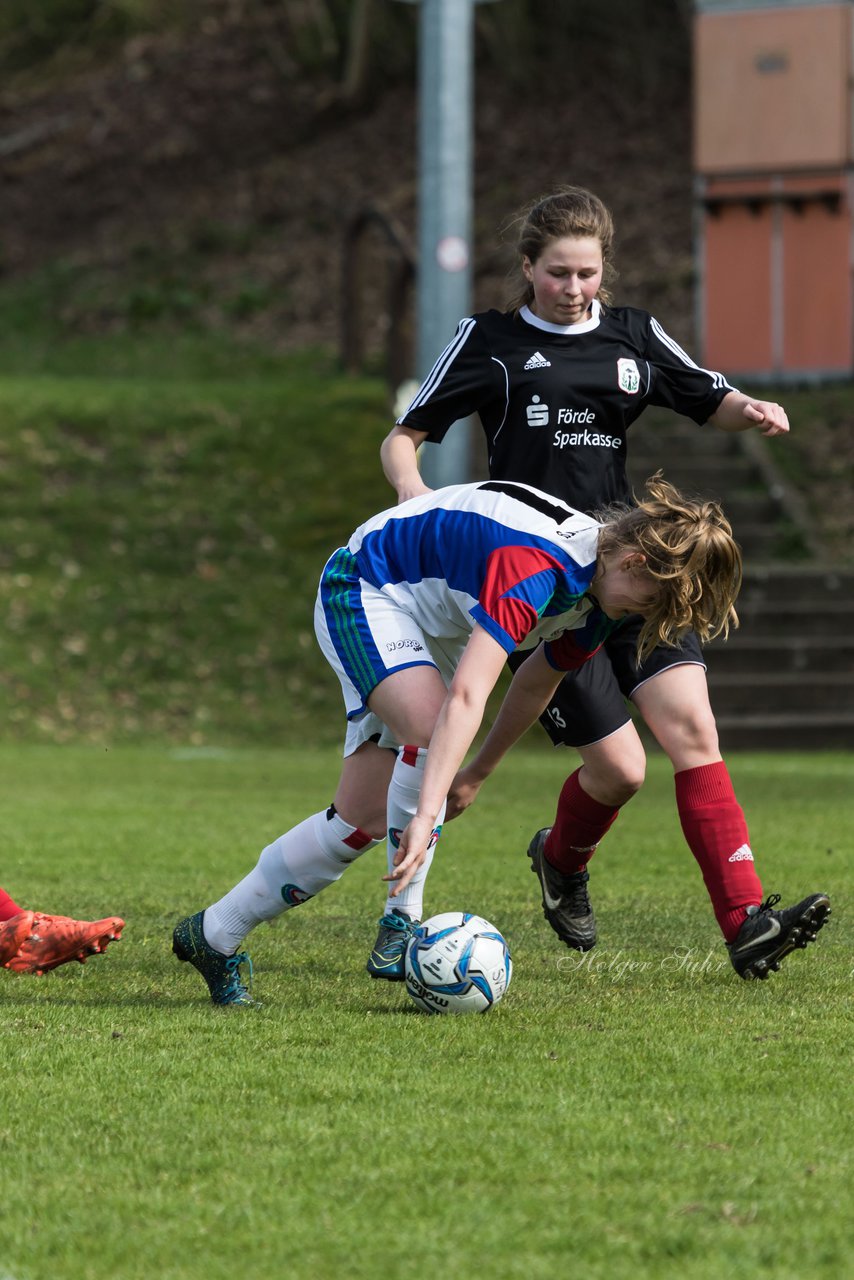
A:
x,y
50,941
13,932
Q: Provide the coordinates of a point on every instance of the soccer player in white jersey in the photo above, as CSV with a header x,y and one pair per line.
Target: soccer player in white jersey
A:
x,y
557,381
416,616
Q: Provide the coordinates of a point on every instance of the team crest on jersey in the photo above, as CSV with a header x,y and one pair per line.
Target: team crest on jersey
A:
x,y
628,377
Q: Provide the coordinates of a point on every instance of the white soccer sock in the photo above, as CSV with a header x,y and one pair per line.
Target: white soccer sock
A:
x,y
294,868
403,793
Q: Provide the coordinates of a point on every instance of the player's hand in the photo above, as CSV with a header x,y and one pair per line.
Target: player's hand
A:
x,y
463,793
415,840
769,418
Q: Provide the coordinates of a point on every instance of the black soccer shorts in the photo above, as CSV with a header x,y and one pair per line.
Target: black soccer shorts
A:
x,y
590,703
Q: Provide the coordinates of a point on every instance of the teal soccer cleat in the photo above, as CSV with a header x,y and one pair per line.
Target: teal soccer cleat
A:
x,y
221,973
389,954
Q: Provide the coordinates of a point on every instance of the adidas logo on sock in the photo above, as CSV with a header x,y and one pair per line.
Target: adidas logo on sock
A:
x,y
744,854
537,361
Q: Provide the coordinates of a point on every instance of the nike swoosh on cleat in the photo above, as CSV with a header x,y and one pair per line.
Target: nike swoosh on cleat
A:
x,y
553,904
771,932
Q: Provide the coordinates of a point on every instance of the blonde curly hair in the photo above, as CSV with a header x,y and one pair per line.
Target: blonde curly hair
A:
x,y
689,549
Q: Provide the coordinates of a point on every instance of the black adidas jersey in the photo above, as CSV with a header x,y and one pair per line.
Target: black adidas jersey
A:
x,y
556,402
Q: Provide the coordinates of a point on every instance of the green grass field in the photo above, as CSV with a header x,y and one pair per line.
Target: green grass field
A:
x,y
638,1112
167,503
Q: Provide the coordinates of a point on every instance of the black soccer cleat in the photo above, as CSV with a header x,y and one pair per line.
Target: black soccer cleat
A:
x,y
566,904
221,973
767,936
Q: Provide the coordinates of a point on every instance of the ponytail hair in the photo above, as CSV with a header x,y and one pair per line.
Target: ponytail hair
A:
x,y
689,549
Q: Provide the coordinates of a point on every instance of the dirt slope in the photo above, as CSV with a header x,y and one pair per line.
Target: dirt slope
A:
x,y
176,143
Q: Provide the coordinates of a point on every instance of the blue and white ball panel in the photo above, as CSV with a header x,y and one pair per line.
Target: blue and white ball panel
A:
x,y
457,962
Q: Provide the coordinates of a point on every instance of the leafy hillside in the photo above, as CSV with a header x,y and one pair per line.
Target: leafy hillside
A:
x,y
161,541
198,164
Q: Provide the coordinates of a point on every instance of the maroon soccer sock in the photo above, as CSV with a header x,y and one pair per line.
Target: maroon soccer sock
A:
x,y
579,825
8,908
715,828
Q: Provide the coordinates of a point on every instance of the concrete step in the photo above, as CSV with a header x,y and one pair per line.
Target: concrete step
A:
x,y
800,655
806,583
780,692
749,506
670,454
772,619
658,431
782,732
712,478
769,541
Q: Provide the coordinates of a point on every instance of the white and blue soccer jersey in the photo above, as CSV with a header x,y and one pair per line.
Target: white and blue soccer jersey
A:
x,y
412,582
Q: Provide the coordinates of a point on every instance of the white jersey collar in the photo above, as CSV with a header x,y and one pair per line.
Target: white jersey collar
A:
x,y
586,325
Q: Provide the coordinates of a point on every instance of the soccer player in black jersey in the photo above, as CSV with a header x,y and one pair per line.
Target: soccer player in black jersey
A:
x,y
557,380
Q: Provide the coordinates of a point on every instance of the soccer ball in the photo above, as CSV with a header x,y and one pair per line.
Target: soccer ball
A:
x,y
457,963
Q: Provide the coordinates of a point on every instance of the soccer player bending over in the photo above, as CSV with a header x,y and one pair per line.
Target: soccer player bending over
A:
x,y
416,615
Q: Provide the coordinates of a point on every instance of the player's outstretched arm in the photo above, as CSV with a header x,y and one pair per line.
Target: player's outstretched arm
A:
x,y
531,690
458,721
738,412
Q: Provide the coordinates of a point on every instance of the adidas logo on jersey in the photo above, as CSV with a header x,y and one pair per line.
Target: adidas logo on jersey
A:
x,y
537,361
744,854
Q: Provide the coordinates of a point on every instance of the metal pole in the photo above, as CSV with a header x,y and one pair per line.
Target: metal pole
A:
x,y
445,205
